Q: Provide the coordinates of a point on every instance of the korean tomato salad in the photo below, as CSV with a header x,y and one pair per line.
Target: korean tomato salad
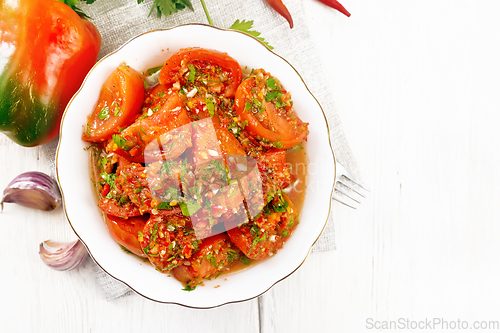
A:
x,y
195,166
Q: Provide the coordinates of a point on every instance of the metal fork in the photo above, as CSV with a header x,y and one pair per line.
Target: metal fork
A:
x,y
348,190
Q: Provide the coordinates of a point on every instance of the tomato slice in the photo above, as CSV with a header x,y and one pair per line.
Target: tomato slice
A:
x,y
126,231
159,136
136,181
168,241
214,255
206,70
119,103
265,235
229,145
274,171
267,109
111,207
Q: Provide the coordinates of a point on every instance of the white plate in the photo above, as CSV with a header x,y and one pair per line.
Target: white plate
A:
x,y
73,171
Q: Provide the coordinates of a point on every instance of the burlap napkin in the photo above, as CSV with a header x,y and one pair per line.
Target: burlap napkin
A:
x,y
120,20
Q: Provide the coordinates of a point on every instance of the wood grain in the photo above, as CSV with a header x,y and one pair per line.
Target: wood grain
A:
x,y
417,91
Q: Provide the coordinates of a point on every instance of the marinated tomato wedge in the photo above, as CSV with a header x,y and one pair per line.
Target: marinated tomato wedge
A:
x,y
267,109
274,172
167,242
266,234
159,134
115,208
205,70
119,103
229,145
136,182
126,231
215,255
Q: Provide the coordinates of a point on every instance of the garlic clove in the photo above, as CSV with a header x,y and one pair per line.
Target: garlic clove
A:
x,y
63,256
33,189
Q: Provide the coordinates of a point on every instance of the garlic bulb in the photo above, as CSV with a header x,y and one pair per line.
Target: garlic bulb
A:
x,y
63,256
34,190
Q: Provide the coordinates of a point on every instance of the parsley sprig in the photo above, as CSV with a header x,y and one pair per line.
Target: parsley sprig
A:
x,y
168,7
245,26
73,3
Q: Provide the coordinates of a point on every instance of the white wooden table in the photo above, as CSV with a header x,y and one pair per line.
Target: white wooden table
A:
x,y
417,87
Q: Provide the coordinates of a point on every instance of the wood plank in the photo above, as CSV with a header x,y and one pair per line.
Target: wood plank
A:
x,y
419,108
35,298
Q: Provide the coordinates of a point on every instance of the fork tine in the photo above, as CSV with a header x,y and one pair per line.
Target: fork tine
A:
x,y
342,171
345,199
358,191
348,190
345,193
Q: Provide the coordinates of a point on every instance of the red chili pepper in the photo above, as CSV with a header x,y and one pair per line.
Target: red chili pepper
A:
x,y
336,5
282,10
105,190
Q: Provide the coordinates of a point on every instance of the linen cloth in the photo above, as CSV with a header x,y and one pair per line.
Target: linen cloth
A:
x,y
120,20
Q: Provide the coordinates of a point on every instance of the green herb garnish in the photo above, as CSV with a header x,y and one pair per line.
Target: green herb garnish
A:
x,y
245,260
168,7
212,260
192,73
164,205
109,178
189,208
272,95
153,70
104,113
209,102
245,26
188,288
121,142
271,83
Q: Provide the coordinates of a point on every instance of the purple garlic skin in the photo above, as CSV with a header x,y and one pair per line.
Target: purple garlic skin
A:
x,y
33,189
63,256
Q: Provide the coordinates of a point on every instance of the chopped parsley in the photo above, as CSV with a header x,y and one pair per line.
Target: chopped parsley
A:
x,y
279,204
124,249
254,229
233,128
296,148
209,102
232,255
213,261
103,162
278,144
273,95
121,142
248,106
192,73
109,178
104,113
189,288
271,83
153,70
164,205
189,207
245,260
